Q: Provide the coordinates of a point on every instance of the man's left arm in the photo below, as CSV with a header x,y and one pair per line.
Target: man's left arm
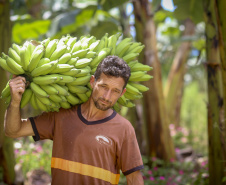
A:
x,y
135,178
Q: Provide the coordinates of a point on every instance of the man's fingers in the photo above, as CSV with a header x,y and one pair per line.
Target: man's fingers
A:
x,y
17,80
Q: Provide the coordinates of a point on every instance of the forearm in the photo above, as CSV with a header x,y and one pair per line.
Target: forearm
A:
x,y
135,179
12,120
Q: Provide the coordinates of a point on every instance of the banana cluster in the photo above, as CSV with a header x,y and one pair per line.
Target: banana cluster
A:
x,y
59,70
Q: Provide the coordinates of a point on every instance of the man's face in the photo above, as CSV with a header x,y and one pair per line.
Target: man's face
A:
x,y
106,91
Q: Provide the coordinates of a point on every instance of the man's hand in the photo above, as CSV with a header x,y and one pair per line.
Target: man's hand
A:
x,y
135,178
17,88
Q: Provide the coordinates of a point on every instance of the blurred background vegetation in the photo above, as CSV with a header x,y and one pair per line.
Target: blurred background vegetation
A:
x,y
171,120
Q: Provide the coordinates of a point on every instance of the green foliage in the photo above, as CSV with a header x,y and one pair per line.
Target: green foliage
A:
x,y
173,173
28,31
161,15
194,117
33,155
192,9
108,4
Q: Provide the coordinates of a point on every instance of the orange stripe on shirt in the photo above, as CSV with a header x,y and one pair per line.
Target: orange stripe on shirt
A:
x,y
85,169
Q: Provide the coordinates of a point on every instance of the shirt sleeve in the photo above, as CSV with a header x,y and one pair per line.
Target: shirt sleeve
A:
x,y
130,158
43,126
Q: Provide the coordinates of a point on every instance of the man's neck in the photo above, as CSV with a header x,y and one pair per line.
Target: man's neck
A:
x,y
91,113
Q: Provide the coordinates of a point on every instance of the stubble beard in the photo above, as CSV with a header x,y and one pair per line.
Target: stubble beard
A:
x,y
99,106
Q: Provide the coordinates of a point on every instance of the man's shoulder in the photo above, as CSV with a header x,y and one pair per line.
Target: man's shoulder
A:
x,y
124,122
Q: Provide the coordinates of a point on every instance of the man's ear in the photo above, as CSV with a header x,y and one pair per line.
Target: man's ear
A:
x,y
124,90
92,80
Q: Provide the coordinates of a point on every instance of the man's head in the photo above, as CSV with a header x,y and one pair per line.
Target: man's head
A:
x,y
109,82
113,66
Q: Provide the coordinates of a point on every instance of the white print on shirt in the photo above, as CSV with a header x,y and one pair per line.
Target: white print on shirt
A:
x,y
104,140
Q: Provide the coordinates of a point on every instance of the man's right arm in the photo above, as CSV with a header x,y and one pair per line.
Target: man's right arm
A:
x,y
14,125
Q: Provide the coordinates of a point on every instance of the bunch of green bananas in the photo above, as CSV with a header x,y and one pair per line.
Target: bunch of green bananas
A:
x,y
59,70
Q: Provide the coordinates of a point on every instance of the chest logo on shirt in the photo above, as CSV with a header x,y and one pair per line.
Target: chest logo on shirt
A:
x,y
104,140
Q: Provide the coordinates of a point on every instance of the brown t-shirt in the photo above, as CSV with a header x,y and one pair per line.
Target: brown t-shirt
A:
x,y
88,152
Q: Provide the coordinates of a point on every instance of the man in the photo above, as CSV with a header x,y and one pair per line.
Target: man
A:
x,y
91,142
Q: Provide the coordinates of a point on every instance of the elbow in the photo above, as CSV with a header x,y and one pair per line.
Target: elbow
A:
x,y
11,135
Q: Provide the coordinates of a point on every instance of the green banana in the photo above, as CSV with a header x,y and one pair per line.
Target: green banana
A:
x,y
13,54
45,100
45,42
93,70
91,54
83,72
132,63
49,89
4,65
66,79
65,105
81,63
124,43
46,79
60,89
44,69
140,87
50,48
120,52
14,66
64,58
35,58
77,89
112,40
43,61
58,52
87,42
132,96
6,91
81,80
73,61
16,48
116,107
129,57
132,90
61,68
137,49
130,104
38,90
73,72
122,100
71,41
26,97
33,101
140,67
56,98
76,47
25,57
80,53
88,93
101,55
145,77
100,46
73,100
136,75
41,105
94,45
82,97
132,47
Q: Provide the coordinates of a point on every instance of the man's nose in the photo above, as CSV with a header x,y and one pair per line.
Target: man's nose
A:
x,y
107,95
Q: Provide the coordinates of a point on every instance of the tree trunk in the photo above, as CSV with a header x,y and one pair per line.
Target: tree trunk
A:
x,y
220,6
134,114
174,86
159,140
216,125
7,160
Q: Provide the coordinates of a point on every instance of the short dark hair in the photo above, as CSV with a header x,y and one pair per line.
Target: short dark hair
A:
x,y
113,66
